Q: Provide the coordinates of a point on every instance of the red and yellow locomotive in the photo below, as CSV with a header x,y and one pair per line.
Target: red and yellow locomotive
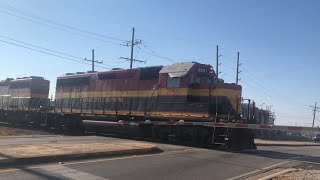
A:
x,y
182,92
28,93
20,97
187,91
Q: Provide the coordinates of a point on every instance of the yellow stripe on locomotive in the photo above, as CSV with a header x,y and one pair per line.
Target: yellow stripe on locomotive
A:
x,y
182,90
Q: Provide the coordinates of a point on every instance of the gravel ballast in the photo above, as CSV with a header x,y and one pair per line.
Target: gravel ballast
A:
x,y
11,131
308,171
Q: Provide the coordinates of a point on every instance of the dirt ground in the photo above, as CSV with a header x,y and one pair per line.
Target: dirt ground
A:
x,y
306,171
10,131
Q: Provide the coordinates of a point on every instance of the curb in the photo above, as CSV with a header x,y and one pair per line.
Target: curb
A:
x,y
258,144
278,174
10,162
30,136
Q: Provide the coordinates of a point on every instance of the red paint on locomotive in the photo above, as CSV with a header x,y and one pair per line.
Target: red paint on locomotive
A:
x,y
183,90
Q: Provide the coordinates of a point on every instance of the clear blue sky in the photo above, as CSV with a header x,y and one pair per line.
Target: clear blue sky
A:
x,y
278,41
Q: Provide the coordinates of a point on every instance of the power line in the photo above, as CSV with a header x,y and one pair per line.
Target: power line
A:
x,y
48,53
270,93
25,13
173,60
268,89
44,24
160,36
49,23
155,54
40,47
158,56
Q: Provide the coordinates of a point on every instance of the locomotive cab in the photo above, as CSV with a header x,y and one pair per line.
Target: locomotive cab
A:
x,y
178,95
191,89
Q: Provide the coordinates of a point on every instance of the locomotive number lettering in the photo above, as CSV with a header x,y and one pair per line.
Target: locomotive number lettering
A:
x,y
101,100
202,70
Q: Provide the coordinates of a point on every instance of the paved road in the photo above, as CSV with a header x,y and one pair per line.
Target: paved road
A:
x,y
176,162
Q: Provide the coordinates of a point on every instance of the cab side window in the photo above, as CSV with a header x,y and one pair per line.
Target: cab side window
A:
x,y
173,82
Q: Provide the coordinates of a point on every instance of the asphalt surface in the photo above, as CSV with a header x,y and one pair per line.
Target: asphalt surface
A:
x,y
175,162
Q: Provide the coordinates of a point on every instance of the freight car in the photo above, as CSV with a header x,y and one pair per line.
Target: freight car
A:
x,y
149,101
23,95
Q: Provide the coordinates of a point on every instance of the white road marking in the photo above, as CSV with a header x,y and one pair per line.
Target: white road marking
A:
x,y
71,173
265,168
289,160
243,175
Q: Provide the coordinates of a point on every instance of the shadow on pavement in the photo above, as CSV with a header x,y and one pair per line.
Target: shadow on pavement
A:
x,y
40,174
283,155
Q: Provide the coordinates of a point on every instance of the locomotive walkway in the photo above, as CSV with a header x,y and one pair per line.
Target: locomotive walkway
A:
x,y
45,148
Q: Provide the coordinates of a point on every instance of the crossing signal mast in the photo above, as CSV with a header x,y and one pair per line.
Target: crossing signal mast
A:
x,y
132,44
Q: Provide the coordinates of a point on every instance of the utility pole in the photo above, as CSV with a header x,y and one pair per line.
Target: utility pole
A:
x,y
217,72
248,118
217,65
315,109
238,72
93,60
132,44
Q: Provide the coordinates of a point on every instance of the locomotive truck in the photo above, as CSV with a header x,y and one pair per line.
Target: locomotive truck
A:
x,y
158,102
